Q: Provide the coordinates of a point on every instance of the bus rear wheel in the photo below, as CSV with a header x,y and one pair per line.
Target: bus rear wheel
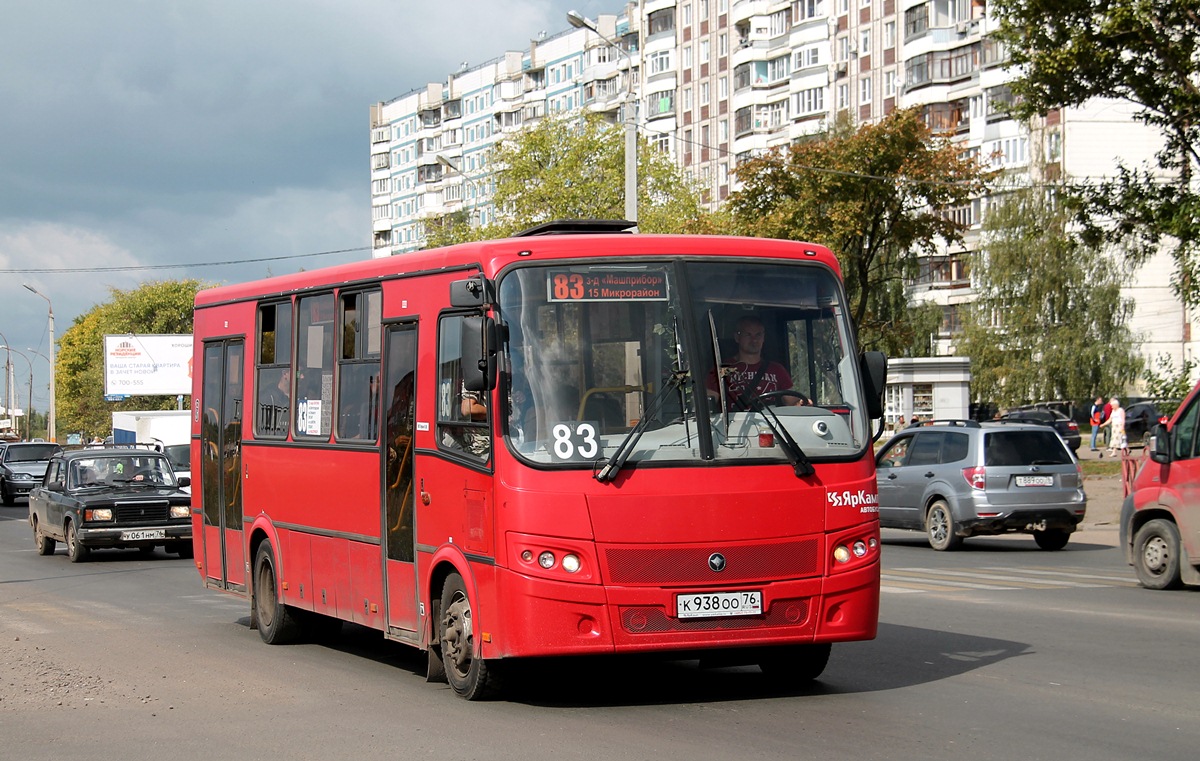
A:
x,y
276,624
470,677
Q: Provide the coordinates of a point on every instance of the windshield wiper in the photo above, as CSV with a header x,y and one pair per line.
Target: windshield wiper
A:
x,y
615,463
801,465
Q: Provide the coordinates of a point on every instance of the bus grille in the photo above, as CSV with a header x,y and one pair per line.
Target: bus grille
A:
x,y
651,620
143,512
689,565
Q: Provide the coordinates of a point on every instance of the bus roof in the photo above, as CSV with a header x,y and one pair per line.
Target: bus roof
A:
x,y
492,255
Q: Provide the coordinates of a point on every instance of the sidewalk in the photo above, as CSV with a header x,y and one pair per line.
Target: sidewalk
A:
x,y
1105,493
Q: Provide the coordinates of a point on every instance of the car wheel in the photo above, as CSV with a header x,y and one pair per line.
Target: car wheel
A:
x,y
1051,538
939,527
45,545
75,551
470,677
276,624
1156,555
798,663
8,499
183,549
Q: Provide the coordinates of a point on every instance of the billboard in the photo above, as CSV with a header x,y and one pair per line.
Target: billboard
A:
x,y
159,365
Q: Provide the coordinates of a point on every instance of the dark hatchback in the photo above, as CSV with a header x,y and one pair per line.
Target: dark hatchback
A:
x,y
1067,428
121,498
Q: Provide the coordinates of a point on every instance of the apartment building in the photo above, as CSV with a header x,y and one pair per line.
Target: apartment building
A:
x,y
713,82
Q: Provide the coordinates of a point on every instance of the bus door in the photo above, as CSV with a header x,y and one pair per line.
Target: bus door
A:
x,y
399,506
221,464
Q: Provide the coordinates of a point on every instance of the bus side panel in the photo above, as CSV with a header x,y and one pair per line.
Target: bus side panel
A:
x,y
295,567
365,598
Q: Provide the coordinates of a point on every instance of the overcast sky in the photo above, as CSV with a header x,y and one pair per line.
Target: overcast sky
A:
x,y
137,133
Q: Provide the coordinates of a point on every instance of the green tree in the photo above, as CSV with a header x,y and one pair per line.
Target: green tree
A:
x,y
1049,321
876,195
1145,52
152,308
573,167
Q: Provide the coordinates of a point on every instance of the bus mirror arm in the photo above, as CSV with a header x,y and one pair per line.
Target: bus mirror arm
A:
x,y
473,292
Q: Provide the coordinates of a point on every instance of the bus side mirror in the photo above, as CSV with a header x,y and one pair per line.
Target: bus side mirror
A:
x,y
472,292
478,353
873,366
1161,452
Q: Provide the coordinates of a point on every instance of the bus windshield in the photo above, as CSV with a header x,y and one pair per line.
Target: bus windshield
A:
x,y
678,362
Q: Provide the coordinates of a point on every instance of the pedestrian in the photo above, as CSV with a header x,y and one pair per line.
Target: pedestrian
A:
x,y
1116,426
1097,417
1104,415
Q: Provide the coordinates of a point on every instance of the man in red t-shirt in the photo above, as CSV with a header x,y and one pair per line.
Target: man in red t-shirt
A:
x,y
745,375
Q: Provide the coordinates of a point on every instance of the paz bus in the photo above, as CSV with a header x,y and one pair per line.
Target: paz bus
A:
x,y
528,448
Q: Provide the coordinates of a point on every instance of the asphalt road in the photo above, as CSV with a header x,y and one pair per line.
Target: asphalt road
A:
x,y
999,651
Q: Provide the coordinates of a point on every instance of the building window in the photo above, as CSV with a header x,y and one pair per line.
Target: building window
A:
x,y
864,90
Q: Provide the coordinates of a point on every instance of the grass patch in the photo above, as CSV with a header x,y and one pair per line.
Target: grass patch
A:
x,y
1106,467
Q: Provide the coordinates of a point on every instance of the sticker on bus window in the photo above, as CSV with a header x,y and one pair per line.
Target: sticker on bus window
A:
x,y
606,285
575,441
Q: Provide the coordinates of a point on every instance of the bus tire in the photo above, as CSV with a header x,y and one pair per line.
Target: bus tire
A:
x,y
798,663
469,677
1156,552
276,624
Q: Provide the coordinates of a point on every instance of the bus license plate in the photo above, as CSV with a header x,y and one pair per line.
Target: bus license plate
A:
x,y
1035,480
709,604
134,536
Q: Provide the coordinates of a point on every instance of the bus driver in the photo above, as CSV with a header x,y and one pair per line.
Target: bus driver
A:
x,y
748,374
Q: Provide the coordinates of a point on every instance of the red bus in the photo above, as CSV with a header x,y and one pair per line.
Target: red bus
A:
x,y
554,444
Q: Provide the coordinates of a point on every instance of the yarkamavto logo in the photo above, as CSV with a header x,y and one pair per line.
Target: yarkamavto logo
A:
x,y
868,501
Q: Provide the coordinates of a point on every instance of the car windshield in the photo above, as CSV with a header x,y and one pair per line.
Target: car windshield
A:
x,y
30,453
180,455
110,470
625,358
1019,448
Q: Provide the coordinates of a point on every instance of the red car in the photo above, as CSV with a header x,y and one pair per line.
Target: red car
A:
x,y
1160,519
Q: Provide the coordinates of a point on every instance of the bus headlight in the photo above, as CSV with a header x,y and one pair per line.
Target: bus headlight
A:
x,y
570,563
546,560
841,554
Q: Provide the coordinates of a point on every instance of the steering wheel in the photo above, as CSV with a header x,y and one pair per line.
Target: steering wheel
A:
x,y
768,396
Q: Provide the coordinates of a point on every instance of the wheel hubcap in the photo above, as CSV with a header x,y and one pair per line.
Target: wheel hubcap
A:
x,y
937,525
456,641
1155,555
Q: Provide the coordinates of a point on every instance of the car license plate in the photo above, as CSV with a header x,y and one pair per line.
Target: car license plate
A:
x,y
134,536
1035,480
710,604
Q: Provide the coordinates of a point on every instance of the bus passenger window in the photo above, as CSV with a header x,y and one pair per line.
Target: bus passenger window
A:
x,y
273,387
358,366
463,416
314,366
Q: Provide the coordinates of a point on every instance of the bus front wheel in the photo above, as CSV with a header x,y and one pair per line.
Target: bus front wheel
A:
x,y
795,664
276,624
469,677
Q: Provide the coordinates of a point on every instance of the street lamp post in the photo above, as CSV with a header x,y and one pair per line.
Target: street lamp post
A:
x,y
8,382
51,424
631,200
449,167
28,409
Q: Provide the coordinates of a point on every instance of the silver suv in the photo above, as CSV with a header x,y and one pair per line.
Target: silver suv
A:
x,y
958,478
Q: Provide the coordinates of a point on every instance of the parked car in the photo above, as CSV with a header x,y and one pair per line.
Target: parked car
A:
x,y
962,478
93,498
1066,427
1140,419
22,465
1160,519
